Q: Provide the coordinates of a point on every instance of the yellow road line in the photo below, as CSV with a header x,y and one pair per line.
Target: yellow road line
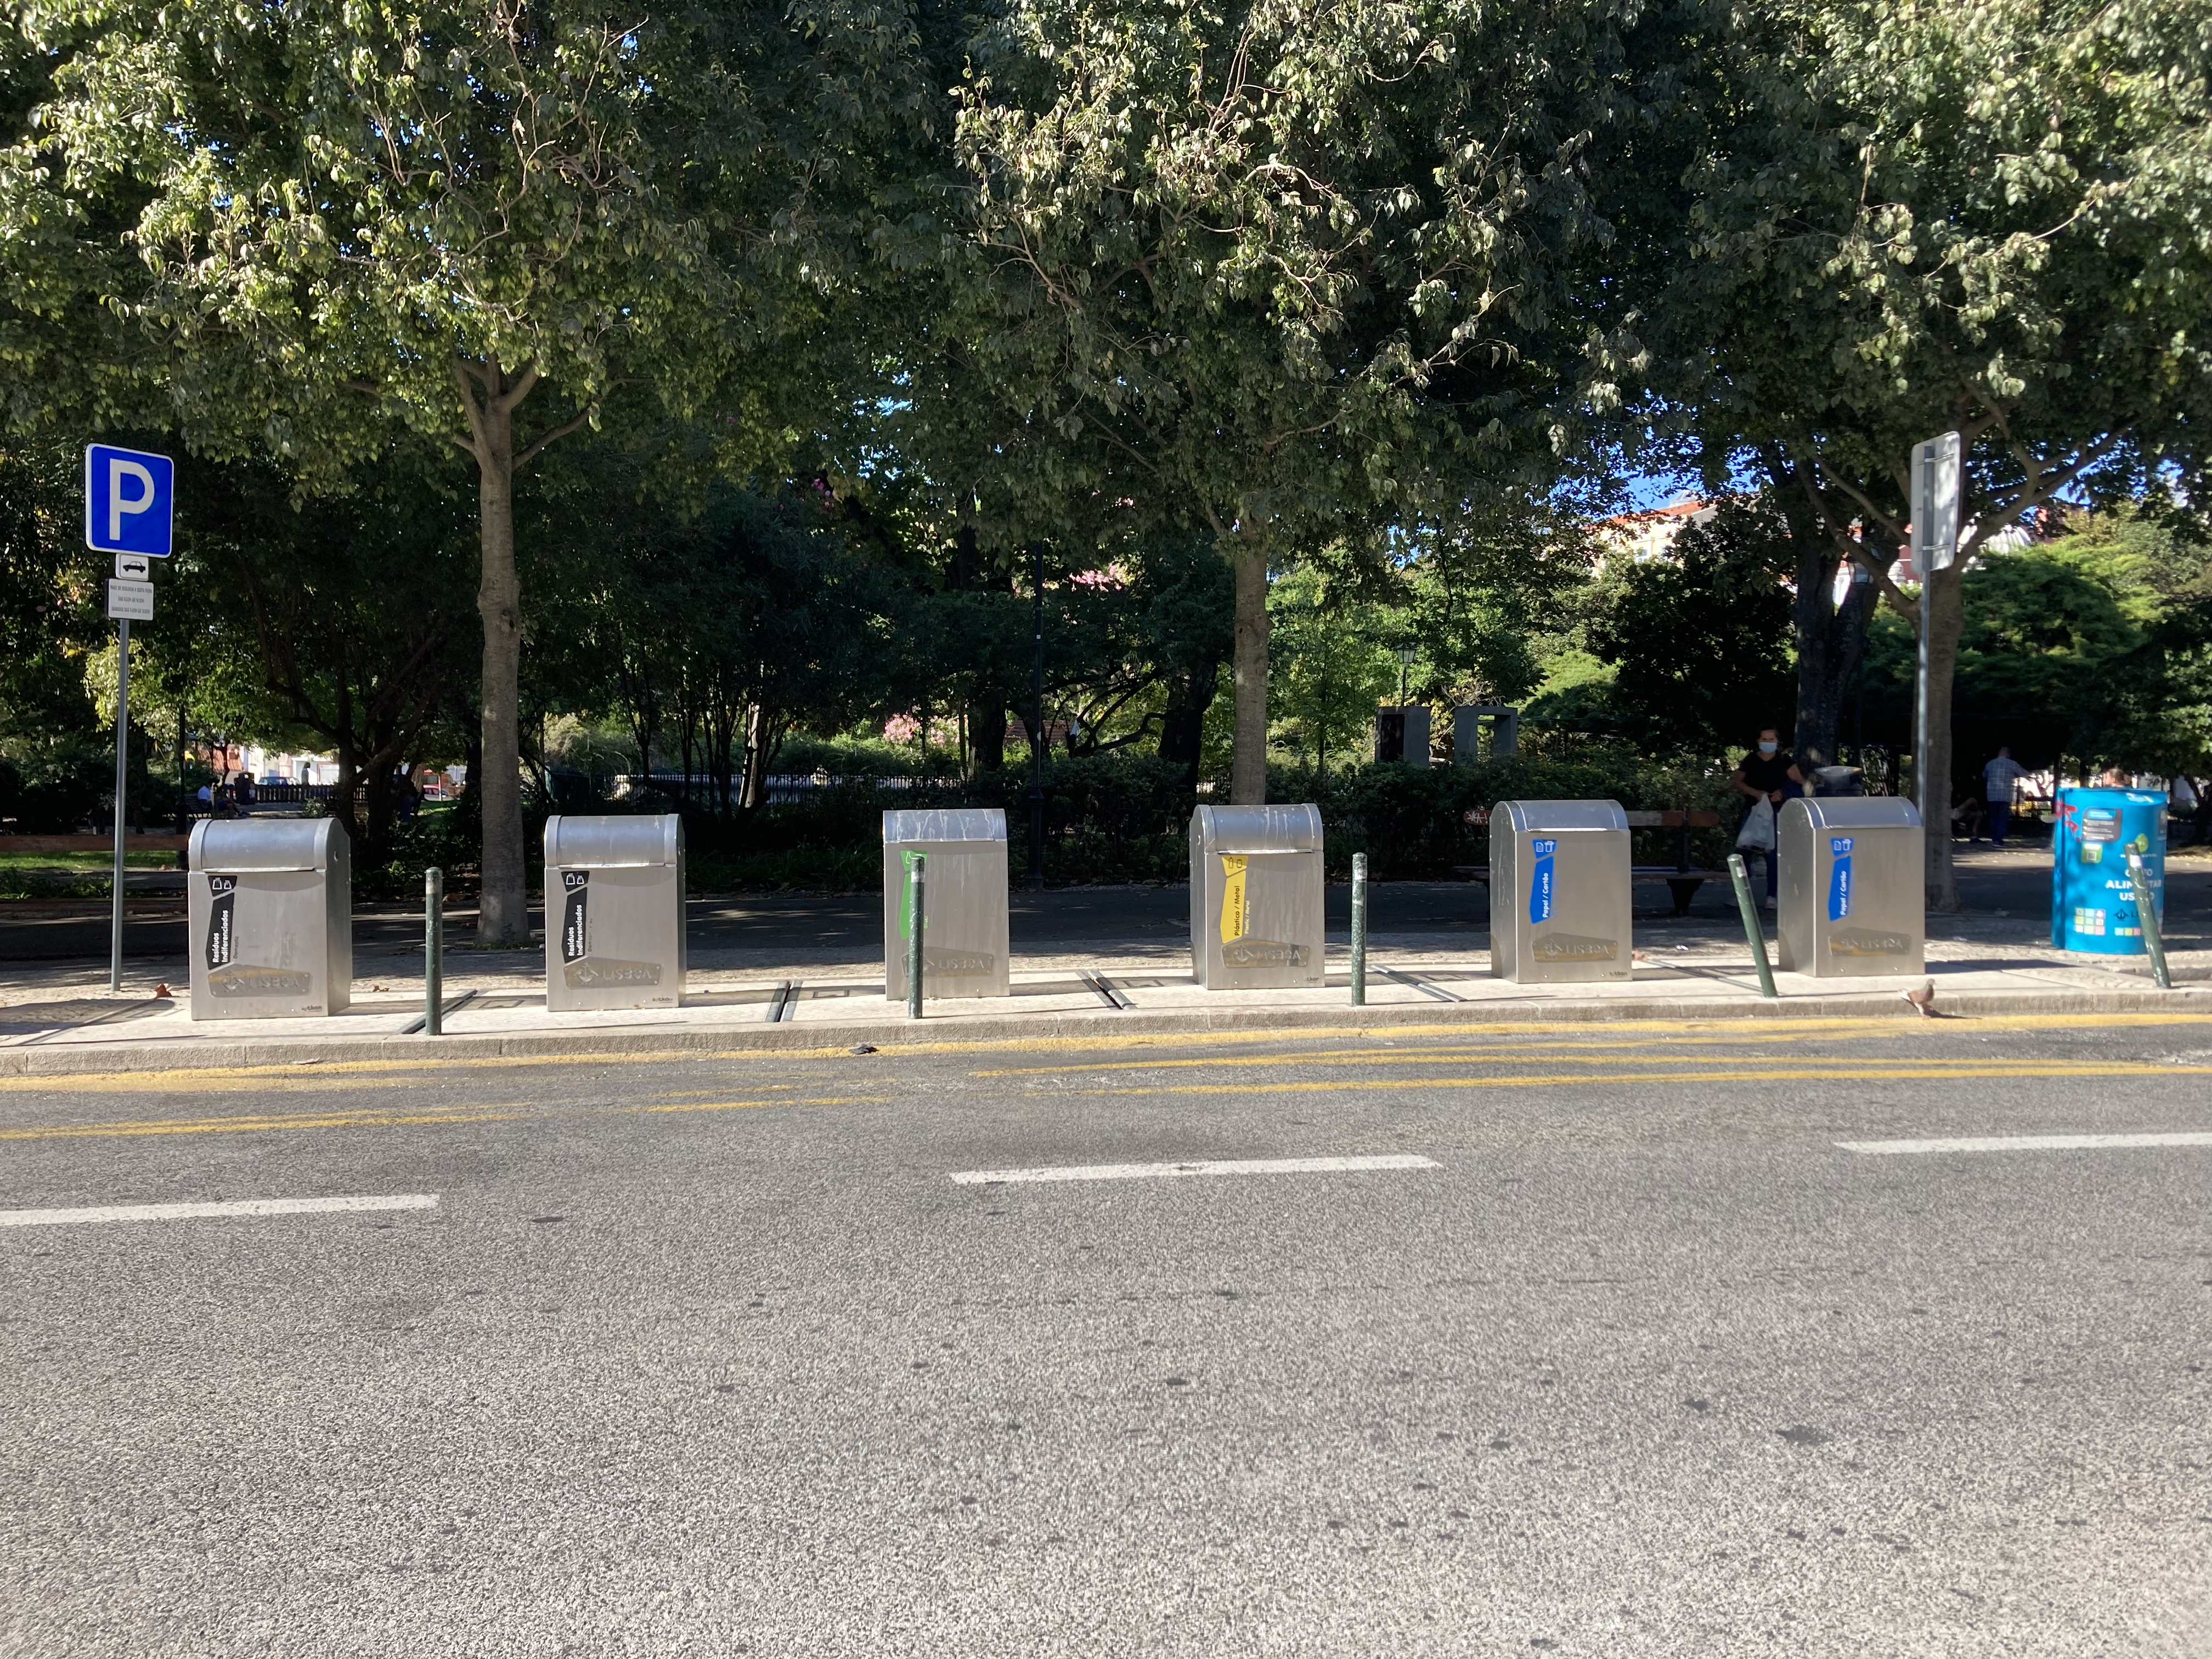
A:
x,y
1629,1051
284,1074
1445,1056
282,1120
227,1126
741,1105
359,1120
1871,1072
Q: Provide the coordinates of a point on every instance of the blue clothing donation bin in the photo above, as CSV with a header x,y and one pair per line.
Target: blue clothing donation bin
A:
x,y
2093,902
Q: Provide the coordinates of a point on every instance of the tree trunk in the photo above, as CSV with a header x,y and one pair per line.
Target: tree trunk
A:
x,y
348,765
758,728
1947,606
1248,777
1829,636
721,717
1182,726
986,730
503,906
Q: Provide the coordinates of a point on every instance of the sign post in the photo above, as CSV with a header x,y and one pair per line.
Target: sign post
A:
x,y
1935,545
128,499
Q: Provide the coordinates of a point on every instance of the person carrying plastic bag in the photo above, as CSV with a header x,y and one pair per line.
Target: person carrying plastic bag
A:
x,y
1768,776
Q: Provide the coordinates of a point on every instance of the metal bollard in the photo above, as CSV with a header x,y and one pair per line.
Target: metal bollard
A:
x,y
914,909
2146,908
1753,933
1359,930
434,952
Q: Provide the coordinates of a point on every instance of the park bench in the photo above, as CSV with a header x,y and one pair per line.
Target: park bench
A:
x,y
1682,877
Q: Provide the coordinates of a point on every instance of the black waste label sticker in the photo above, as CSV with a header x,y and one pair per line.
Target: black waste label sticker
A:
x,y
576,923
221,921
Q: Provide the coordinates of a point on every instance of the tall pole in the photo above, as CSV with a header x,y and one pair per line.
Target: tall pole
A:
x,y
1036,719
1923,774
1359,930
121,786
916,909
433,952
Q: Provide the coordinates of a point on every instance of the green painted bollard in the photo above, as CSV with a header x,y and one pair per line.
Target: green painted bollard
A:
x,y
914,914
1754,935
434,951
1359,930
2146,908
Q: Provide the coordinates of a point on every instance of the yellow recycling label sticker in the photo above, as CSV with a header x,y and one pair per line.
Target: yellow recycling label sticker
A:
x,y
1236,909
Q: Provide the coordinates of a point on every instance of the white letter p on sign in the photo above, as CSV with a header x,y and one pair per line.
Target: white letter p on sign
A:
x,y
117,503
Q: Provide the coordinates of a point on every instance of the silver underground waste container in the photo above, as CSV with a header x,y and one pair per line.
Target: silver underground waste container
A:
x,y
963,901
1256,897
614,912
1559,910
269,906
1852,897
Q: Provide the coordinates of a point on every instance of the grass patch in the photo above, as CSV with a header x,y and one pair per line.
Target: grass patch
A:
x,y
88,859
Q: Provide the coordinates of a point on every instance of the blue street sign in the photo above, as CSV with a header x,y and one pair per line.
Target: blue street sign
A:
x,y
127,498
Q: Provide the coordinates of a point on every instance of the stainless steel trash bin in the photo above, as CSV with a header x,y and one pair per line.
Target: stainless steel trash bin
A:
x,y
1558,891
1256,897
269,906
964,932
614,912
1852,899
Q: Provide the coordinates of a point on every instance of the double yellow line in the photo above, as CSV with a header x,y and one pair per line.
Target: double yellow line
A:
x,y
493,1113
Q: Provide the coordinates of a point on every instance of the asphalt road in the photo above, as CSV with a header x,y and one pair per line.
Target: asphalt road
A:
x,y
2016,884
718,1358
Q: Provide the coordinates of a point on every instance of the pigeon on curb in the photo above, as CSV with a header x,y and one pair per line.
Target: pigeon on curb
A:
x,y
1924,998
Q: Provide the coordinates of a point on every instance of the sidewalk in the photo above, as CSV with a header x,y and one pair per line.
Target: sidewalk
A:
x,y
63,1020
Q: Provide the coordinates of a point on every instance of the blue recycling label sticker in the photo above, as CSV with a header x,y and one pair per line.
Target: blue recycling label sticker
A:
x,y
1540,879
1839,877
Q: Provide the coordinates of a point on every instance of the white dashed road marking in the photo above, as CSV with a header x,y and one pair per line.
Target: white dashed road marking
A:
x,y
1207,1167
244,1206
2029,1143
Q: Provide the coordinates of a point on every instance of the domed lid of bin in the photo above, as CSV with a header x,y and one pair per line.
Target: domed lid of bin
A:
x,y
1856,811
242,844
909,827
1540,816
613,841
1257,829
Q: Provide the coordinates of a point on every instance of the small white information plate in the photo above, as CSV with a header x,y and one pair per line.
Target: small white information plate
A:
x,y
130,601
134,566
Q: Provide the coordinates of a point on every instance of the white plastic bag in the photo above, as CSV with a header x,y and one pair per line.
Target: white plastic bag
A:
x,y
1757,835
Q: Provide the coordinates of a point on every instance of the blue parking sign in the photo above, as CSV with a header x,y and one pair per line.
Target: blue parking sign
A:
x,y
127,498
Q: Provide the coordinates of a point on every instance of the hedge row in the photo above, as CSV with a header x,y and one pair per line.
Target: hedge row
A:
x,y
1121,819
1125,818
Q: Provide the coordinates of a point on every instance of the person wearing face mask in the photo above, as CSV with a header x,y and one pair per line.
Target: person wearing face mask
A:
x,y
1768,773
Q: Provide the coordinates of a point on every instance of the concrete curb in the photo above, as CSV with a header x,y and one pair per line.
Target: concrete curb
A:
x,y
1007,1029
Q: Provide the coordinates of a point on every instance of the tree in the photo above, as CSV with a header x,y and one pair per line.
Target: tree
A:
x,y
1331,665
56,762
1857,223
718,635
1283,274
452,214
1699,635
2083,650
344,620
